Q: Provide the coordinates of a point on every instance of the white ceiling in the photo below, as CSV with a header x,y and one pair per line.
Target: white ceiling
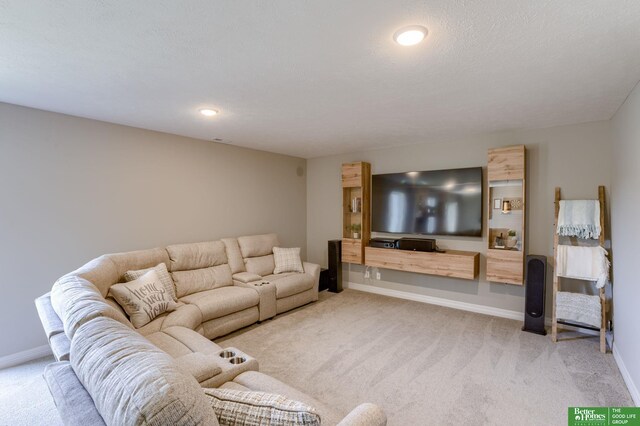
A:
x,y
313,78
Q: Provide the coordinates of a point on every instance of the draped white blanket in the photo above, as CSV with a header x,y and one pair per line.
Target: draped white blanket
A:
x,y
579,218
583,263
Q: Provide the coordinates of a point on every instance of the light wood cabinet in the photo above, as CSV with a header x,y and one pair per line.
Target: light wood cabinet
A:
x,y
506,163
452,263
505,266
356,214
506,214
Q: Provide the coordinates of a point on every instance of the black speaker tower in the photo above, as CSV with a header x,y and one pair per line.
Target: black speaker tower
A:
x,y
536,277
335,266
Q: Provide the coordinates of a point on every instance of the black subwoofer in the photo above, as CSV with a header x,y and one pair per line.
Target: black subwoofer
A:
x,y
335,266
535,284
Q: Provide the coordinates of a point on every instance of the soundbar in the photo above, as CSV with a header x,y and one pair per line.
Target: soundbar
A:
x,y
413,244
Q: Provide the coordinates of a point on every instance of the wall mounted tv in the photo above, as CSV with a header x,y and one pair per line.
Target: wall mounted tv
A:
x,y
438,202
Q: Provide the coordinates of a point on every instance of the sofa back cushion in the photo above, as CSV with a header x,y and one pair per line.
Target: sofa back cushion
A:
x,y
261,265
199,267
77,301
197,280
257,252
257,245
135,260
234,255
110,269
132,382
101,272
189,256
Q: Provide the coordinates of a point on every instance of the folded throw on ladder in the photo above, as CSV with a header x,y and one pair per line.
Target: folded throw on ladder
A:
x,y
583,263
579,218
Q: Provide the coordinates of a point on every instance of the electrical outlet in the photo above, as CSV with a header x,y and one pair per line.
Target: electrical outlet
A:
x,y
377,275
367,274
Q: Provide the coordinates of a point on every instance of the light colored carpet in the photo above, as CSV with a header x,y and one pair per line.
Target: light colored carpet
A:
x,y
24,396
425,364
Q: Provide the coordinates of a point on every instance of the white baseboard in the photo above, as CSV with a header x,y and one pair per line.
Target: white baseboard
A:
x,y
633,389
24,356
464,306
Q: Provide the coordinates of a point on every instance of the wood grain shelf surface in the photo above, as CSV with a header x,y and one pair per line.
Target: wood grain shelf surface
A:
x,y
452,263
505,266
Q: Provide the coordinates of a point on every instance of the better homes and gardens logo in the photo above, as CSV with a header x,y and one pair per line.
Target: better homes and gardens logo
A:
x,y
588,416
604,416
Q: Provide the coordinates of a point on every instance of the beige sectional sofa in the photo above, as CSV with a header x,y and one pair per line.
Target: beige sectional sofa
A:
x,y
109,372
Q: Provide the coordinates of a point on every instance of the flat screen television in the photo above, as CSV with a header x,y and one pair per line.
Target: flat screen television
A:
x,y
438,202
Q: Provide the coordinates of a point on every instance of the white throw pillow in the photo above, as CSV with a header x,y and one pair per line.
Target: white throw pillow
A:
x,y
163,273
234,407
143,299
287,260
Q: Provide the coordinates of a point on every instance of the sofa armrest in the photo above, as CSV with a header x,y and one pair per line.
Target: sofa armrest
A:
x,y
366,414
199,365
246,277
313,270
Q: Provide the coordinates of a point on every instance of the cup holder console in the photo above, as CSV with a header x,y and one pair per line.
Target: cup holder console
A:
x,y
232,357
232,362
237,360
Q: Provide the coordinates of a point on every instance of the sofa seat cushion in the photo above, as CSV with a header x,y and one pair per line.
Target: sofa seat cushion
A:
x,y
234,386
222,301
290,283
131,381
185,315
259,408
193,340
256,381
168,344
181,341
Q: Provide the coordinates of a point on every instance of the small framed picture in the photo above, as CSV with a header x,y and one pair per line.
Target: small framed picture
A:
x,y
497,203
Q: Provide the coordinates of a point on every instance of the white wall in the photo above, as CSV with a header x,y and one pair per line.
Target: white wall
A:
x,y
625,199
72,189
576,158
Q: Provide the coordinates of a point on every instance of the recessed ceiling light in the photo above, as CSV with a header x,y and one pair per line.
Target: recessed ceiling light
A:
x,y
208,112
408,36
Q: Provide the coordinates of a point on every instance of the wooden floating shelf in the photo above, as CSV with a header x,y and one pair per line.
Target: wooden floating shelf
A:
x,y
452,263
